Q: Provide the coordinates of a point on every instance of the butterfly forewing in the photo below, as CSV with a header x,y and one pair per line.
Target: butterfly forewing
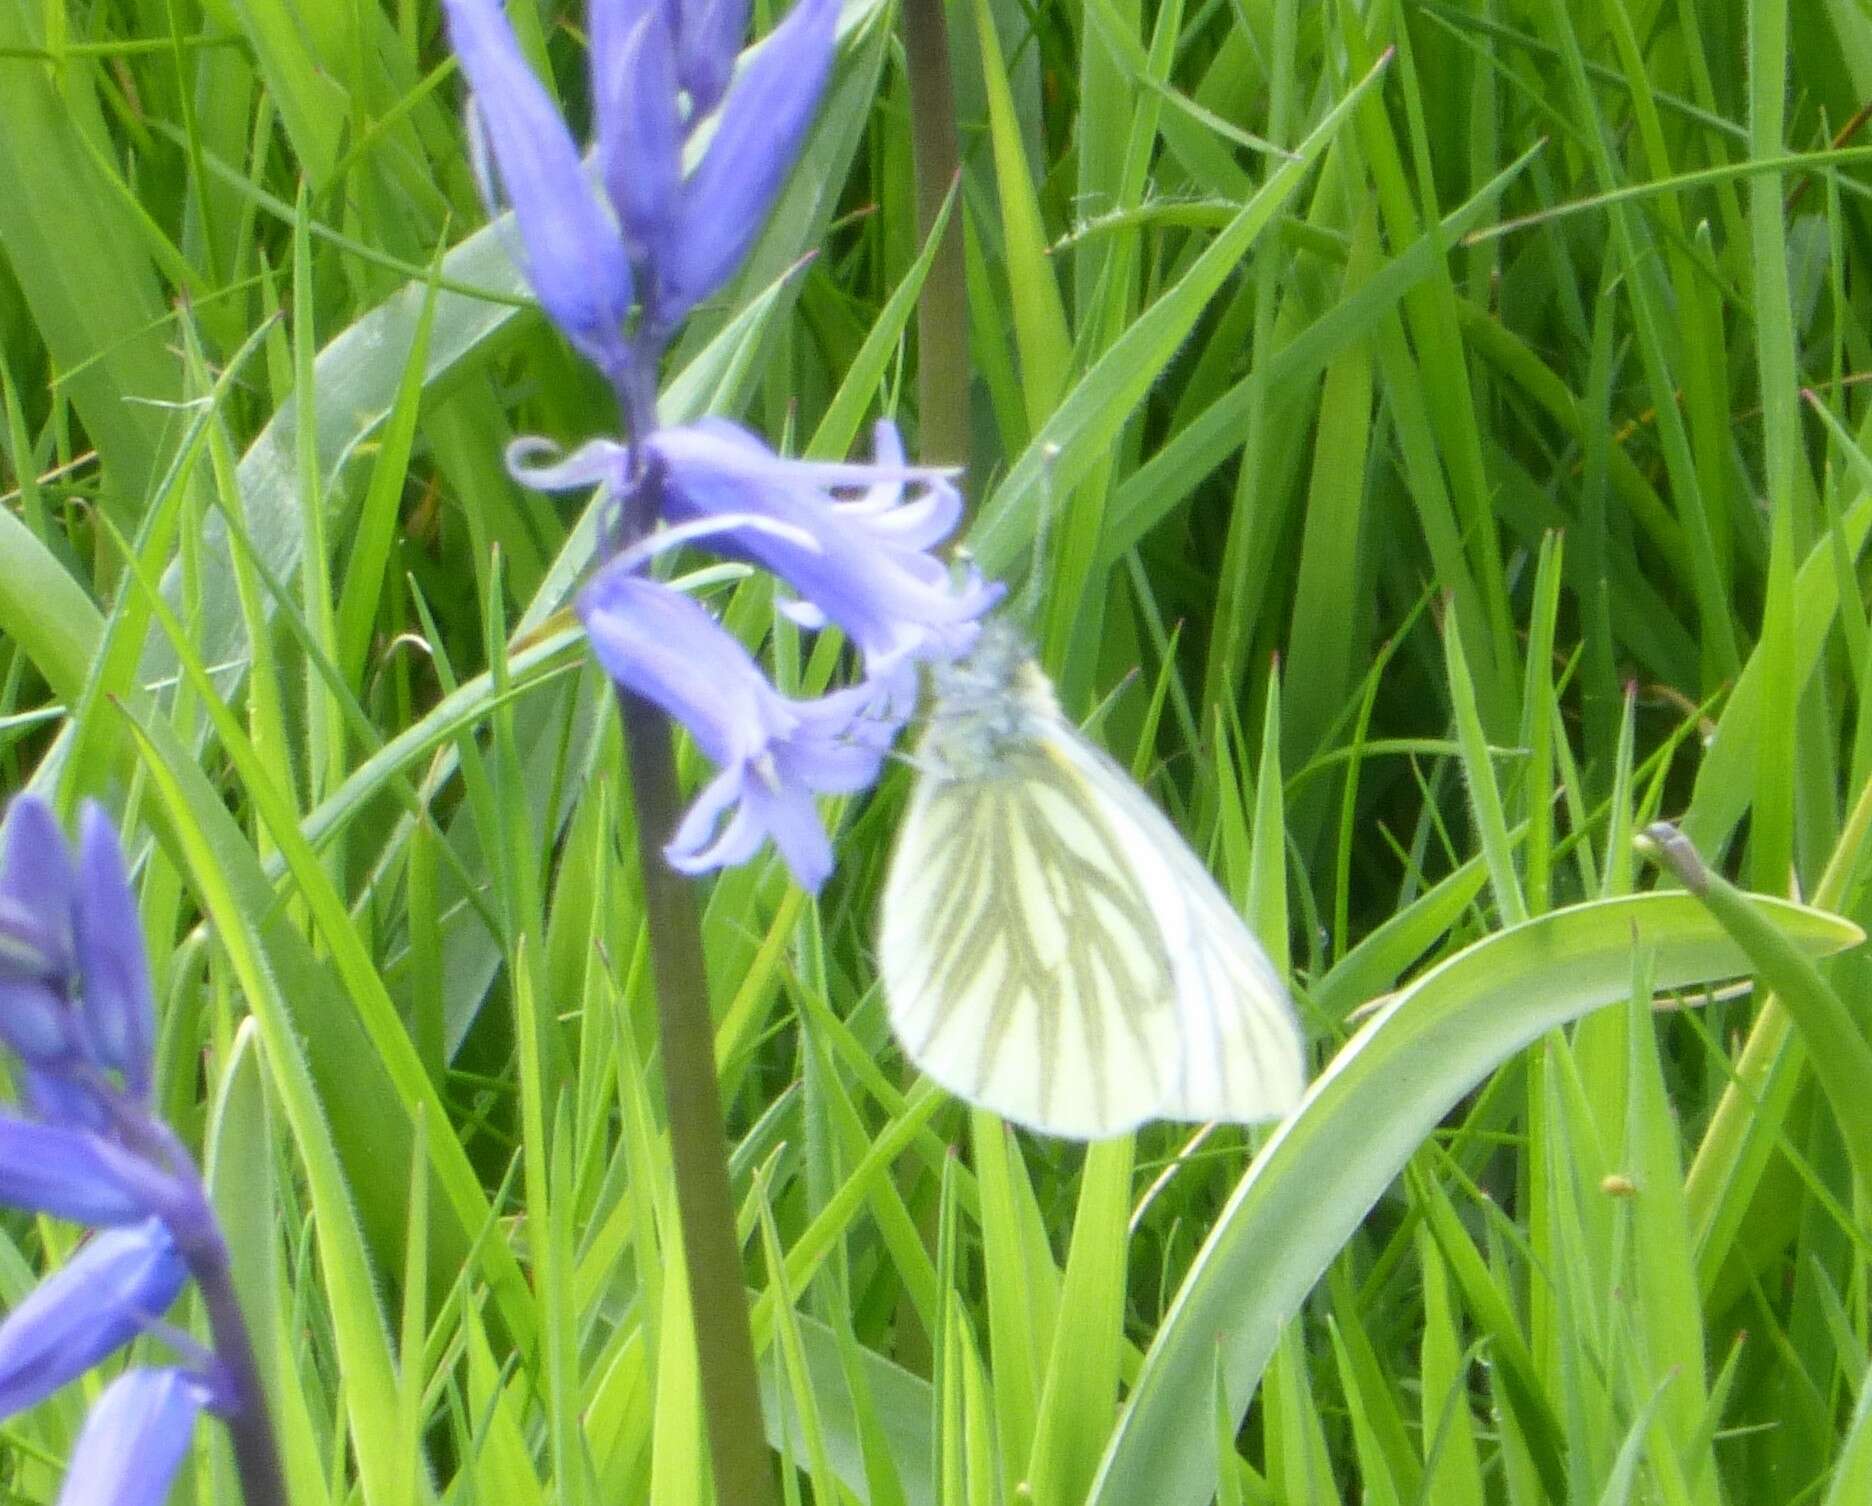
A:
x,y
1022,963
1051,948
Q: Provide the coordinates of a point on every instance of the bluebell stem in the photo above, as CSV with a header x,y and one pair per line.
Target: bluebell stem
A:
x,y
942,308
76,1009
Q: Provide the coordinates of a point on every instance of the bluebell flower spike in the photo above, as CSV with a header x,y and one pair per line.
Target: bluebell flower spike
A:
x,y
118,1009
134,1440
574,255
853,542
102,1298
82,1021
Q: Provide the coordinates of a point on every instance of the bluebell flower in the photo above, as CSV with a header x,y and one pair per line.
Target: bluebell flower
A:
x,y
855,540
574,255
66,1094
873,526
37,888
685,237
761,126
75,988
74,1174
708,36
135,1440
773,754
118,1011
640,128
122,1281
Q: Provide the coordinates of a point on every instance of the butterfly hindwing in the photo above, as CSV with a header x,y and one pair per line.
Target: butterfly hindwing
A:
x,y
1053,950
1238,1046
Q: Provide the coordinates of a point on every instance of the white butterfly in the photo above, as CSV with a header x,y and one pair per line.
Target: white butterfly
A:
x,y
1051,949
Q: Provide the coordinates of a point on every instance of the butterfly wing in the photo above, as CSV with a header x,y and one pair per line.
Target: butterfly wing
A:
x,y
1052,949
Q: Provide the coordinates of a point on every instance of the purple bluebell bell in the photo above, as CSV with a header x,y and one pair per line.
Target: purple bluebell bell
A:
x,y
75,983
67,1094
708,36
855,539
122,1281
118,1011
574,255
68,1173
639,120
759,131
37,888
873,526
685,238
773,754
135,1440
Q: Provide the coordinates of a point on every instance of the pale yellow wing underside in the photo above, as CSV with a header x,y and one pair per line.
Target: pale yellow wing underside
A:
x,y
1051,949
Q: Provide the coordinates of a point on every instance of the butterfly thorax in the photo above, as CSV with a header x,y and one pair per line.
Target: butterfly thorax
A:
x,y
989,707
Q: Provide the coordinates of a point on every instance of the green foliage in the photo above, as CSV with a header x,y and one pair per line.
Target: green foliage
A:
x,y
1412,391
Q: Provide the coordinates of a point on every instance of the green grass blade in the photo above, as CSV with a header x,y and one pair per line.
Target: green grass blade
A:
x,y
1041,336
1357,1128
1088,417
362,1339
1081,1385
1842,1059
78,255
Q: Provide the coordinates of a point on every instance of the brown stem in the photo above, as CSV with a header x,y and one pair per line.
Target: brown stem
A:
x,y
942,310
